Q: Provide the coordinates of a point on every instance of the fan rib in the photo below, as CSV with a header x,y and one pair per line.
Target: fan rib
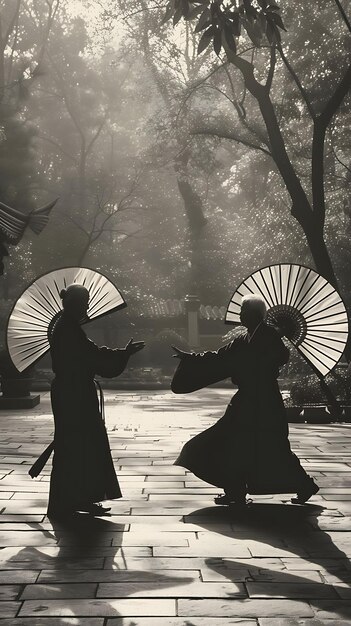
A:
x,y
96,304
58,302
313,350
273,283
244,294
280,283
32,351
317,303
306,349
45,318
301,306
327,308
287,284
39,324
301,286
302,295
49,303
268,292
260,290
293,287
310,332
312,342
95,293
28,340
313,323
40,304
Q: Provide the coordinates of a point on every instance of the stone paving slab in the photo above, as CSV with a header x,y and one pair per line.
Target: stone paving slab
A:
x,y
244,608
167,556
175,589
119,575
104,608
301,622
62,591
180,621
55,621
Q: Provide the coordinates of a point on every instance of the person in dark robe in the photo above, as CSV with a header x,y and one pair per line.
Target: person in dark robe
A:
x,y
82,474
247,451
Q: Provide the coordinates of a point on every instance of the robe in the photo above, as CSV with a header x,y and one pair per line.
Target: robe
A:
x,y
82,470
248,448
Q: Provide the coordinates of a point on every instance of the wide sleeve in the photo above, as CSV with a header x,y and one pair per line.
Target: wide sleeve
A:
x,y
198,370
278,350
106,361
273,352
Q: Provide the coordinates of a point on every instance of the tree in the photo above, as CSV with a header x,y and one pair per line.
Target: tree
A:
x,y
221,24
76,110
24,35
170,70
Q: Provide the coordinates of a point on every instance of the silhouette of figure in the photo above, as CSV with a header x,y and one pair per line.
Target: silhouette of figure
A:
x,y
83,473
247,450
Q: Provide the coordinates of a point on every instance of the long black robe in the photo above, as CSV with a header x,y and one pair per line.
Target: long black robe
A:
x,y
249,445
83,470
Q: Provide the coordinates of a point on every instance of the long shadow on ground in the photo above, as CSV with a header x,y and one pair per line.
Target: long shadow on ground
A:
x,y
83,542
283,527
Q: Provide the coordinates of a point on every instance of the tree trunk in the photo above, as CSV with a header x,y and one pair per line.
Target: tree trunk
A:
x,y
192,204
319,252
82,180
196,221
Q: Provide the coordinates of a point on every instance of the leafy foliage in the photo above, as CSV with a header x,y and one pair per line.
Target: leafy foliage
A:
x,y
221,22
167,113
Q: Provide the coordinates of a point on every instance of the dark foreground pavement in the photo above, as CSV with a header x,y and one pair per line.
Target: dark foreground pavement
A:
x,y
167,556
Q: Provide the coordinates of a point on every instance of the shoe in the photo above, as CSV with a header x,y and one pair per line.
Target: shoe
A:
x,y
97,509
228,500
306,493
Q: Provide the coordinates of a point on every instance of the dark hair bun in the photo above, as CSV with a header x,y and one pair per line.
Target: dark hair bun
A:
x,y
63,293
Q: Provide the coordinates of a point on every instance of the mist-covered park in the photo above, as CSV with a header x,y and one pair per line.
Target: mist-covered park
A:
x,y
188,147
190,159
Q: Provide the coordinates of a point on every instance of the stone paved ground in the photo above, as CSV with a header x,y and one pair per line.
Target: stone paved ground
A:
x,y
167,556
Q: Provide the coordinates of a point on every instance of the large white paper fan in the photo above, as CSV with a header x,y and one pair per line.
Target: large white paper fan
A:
x,y
311,310
40,304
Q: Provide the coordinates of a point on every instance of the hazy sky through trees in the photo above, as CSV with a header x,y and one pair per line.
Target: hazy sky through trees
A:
x,y
159,155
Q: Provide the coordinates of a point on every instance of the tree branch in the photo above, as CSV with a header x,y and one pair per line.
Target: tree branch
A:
x,y
301,208
57,145
341,162
343,14
319,130
273,61
240,109
298,83
77,224
97,133
192,88
12,23
51,17
13,49
336,99
69,108
232,137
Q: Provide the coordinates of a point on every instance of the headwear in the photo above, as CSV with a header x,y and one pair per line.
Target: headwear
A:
x,y
74,292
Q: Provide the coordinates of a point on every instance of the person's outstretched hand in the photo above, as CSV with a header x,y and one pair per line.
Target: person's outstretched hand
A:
x,y
180,354
134,346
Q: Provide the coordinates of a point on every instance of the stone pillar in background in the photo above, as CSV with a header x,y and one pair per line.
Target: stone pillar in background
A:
x,y
192,305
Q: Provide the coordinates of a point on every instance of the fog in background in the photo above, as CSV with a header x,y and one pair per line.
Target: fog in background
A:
x,y
164,182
